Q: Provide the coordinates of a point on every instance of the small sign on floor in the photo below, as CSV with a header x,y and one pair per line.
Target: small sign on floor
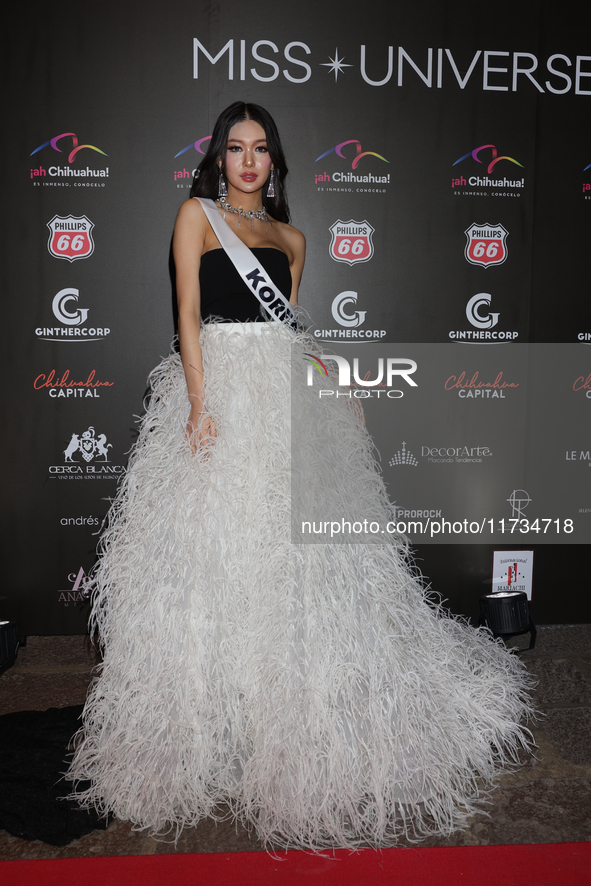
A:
x,y
513,571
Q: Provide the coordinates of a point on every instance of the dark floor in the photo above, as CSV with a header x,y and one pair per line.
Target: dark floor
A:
x,y
548,800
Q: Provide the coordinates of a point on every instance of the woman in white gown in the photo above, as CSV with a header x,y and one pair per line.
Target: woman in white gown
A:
x,y
315,690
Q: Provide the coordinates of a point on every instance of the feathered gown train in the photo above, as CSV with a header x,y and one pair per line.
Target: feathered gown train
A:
x,y
314,688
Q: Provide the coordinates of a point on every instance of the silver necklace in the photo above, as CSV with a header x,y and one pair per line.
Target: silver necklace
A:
x,y
251,214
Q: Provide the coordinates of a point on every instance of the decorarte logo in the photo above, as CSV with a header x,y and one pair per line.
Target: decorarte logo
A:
x,y
403,457
484,324
184,177
86,457
351,241
509,187
486,244
326,180
70,237
441,455
72,319
63,174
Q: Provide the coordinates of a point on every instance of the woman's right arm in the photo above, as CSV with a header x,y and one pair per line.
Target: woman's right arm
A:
x,y
187,245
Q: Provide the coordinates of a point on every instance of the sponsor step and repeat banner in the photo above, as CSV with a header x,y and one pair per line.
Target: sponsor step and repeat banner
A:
x,y
441,172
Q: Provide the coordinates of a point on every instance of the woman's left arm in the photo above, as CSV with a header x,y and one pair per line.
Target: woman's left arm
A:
x,y
297,245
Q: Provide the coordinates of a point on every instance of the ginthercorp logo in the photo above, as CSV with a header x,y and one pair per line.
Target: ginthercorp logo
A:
x,y
483,320
86,457
388,372
185,176
488,157
476,304
67,145
70,237
339,305
354,156
351,241
486,244
349,319
72,317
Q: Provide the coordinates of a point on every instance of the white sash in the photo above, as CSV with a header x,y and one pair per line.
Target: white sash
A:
x,y
251,270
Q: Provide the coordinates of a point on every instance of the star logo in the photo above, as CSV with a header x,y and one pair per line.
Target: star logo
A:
x,y
336,65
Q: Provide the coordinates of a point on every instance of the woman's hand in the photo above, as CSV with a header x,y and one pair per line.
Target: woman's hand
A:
x,y
201,429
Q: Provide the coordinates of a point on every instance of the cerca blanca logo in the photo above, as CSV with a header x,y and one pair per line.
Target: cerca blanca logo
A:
x,y
86,457
72,317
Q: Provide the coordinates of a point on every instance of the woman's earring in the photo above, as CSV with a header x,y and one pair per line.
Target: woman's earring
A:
x,y
271,188
222,189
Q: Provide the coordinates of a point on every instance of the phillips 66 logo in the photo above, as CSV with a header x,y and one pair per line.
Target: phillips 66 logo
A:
x,y
351,241
70,237
486,244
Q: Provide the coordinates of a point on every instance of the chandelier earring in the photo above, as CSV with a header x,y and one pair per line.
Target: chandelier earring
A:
x,y
222,187
271,186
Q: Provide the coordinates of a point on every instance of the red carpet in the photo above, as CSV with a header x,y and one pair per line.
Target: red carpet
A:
x,y
546,864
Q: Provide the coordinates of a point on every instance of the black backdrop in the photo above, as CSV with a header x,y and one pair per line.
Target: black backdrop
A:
x,y
382,109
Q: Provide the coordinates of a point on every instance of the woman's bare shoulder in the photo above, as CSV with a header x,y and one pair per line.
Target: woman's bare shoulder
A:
x,y
191,212
294,240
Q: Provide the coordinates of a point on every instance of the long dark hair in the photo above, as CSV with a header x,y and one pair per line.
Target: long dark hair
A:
x,y
205,183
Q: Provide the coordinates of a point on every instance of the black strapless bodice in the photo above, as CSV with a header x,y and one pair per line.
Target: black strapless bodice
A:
x,y
224,295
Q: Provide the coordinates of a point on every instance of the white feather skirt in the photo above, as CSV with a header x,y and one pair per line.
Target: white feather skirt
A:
x,y
315,690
